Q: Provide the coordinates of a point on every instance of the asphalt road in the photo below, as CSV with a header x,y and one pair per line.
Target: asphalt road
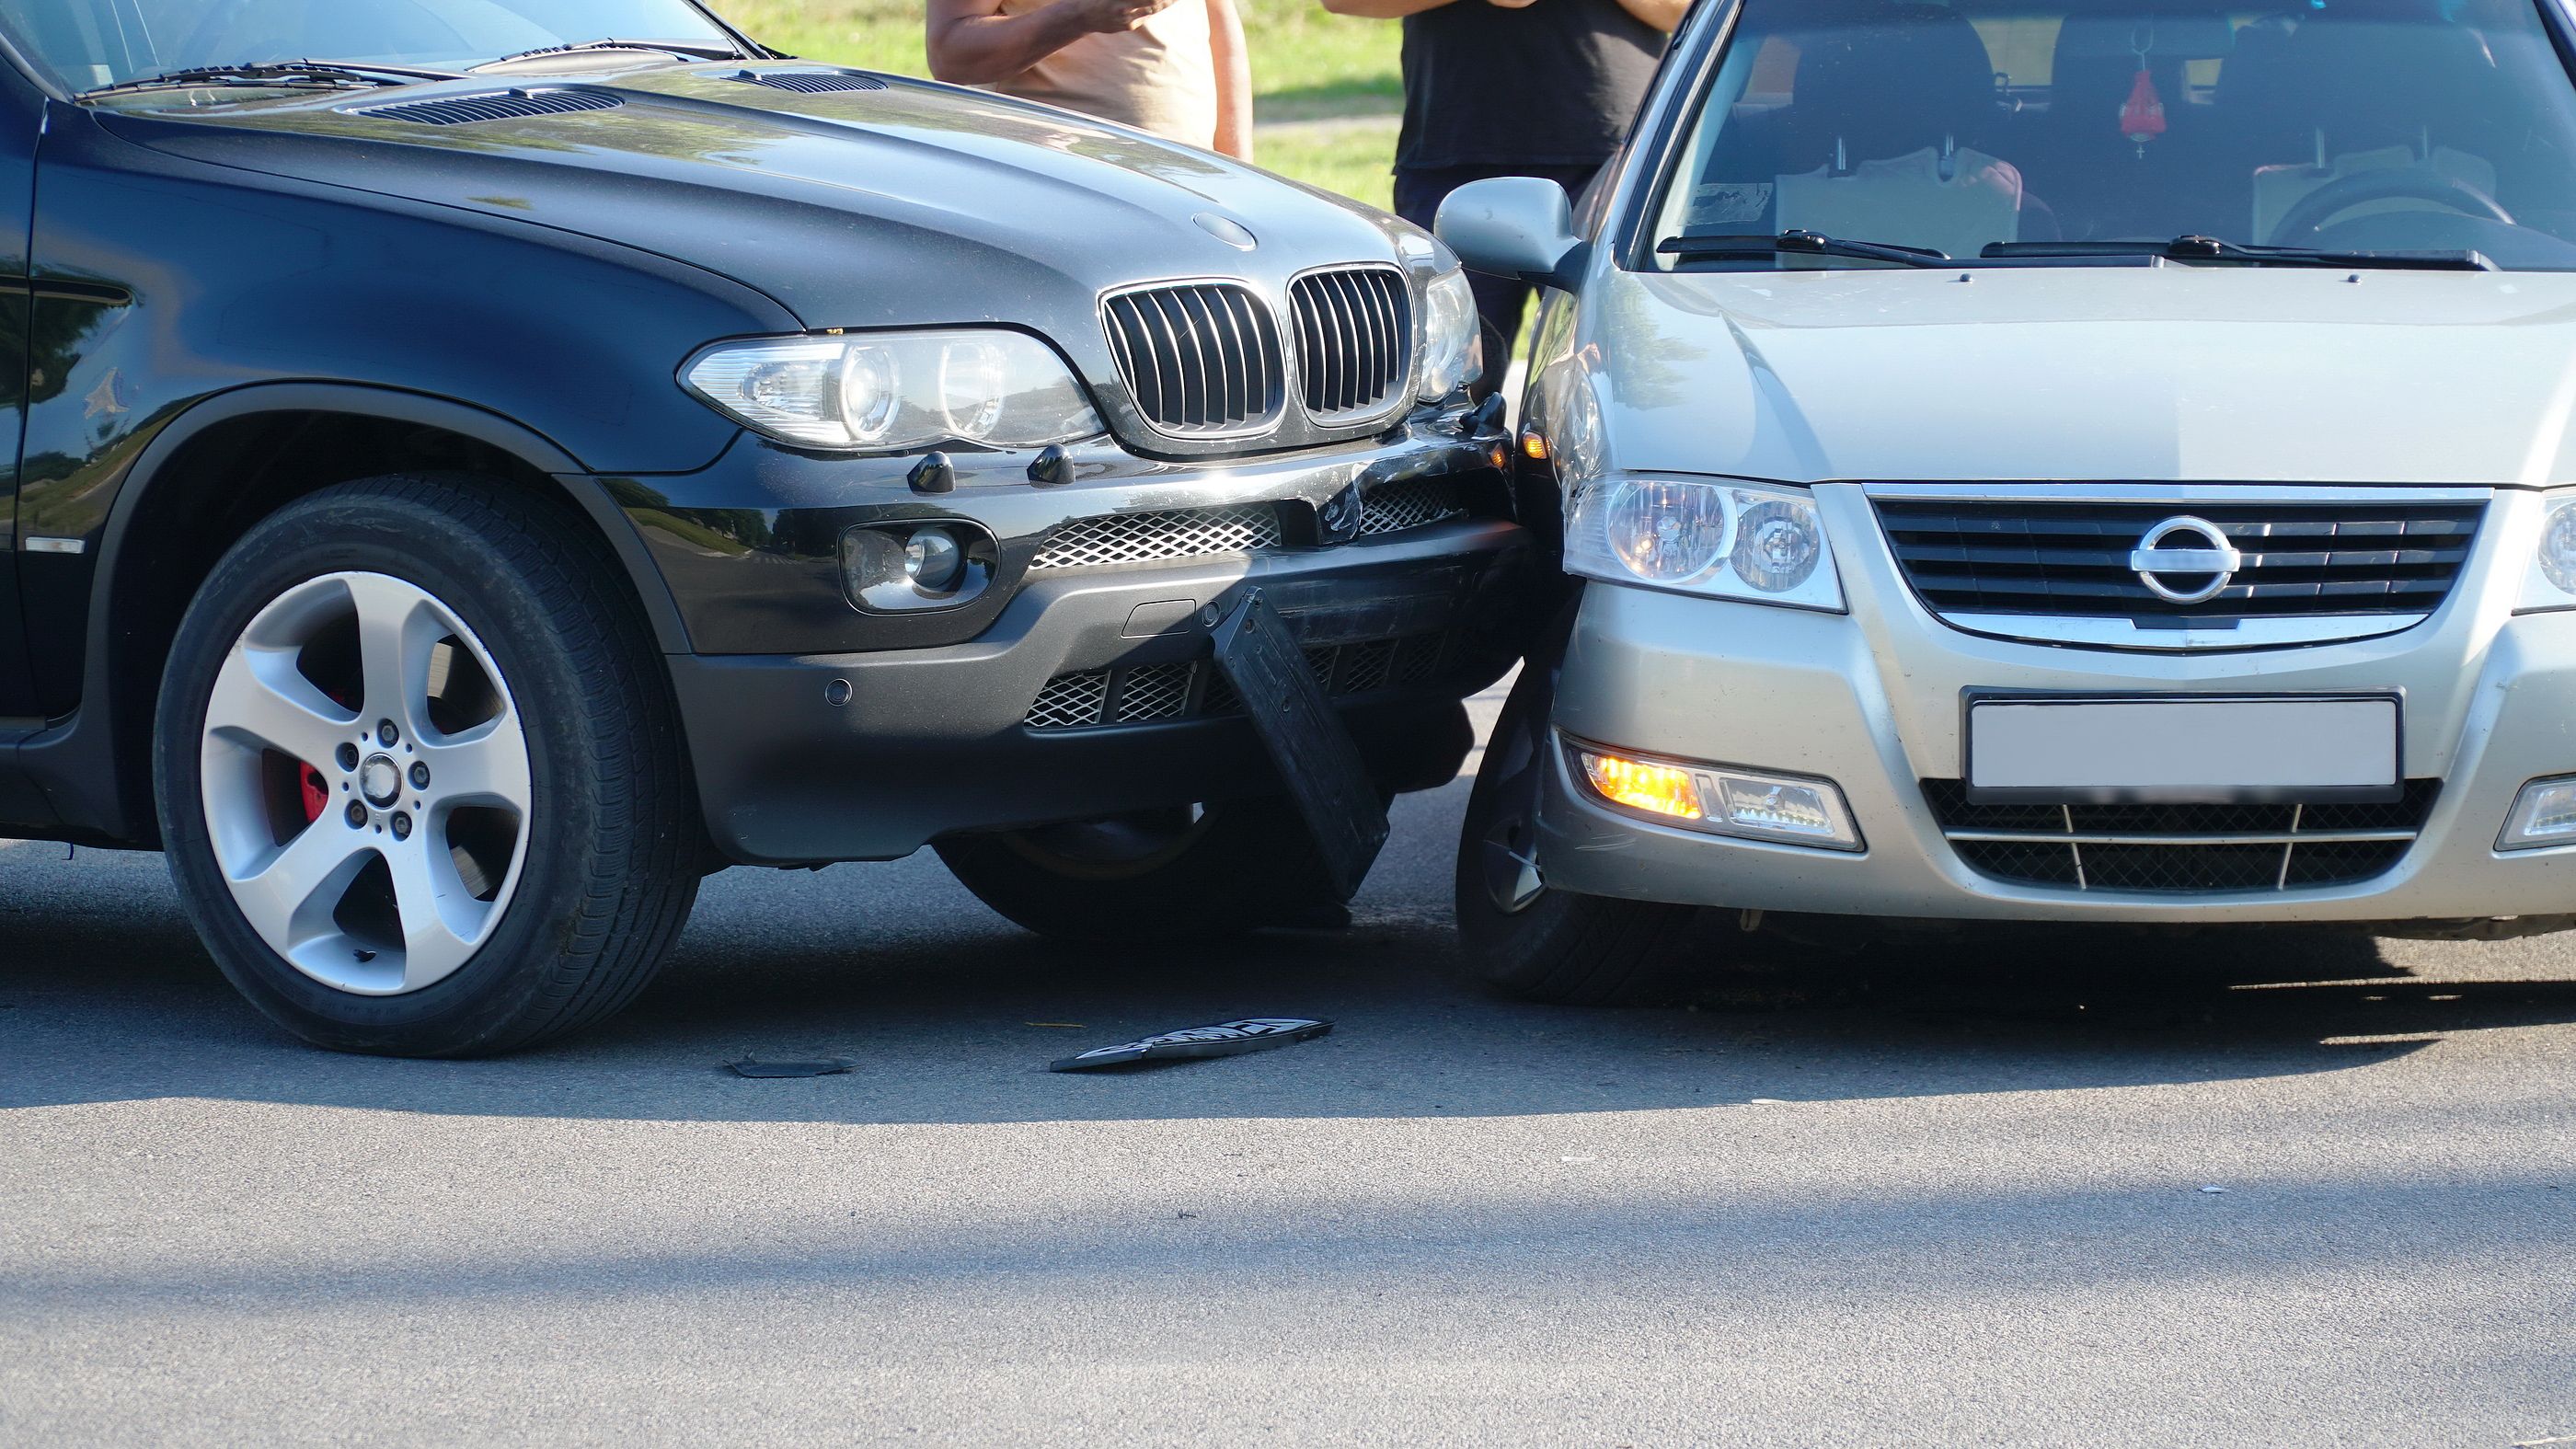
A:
x,y
1951,1191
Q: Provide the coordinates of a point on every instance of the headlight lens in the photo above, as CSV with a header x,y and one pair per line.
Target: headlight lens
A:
x,y
897,391
2551,583
1731,540
1451,350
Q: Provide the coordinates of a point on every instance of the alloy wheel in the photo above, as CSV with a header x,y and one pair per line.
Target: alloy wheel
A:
x,y
366,783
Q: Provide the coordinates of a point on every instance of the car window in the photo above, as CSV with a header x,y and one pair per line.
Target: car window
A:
x,y
87,43
2352,124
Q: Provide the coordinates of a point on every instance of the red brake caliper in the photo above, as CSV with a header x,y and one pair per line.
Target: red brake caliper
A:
x,y
317,791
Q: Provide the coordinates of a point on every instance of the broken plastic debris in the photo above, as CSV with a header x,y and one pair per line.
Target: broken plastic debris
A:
x,y
1765,1102
2211,1187
1578,1159
1225,1039
826,1068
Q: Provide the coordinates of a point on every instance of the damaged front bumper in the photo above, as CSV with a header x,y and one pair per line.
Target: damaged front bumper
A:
x,y
1080,683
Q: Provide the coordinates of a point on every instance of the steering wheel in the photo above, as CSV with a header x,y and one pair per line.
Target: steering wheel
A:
x,y
2309,217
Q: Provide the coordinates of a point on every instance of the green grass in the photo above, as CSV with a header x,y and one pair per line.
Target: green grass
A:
x,y
1307,66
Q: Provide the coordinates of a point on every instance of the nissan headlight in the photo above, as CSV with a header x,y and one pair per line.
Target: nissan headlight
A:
x,y
1724,539
1452,350
2551,581
897,391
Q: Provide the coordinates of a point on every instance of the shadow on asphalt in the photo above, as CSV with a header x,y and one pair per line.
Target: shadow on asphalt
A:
x,y
106,996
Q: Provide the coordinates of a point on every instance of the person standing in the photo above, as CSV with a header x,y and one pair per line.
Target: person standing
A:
x,y
1514,88
1177,68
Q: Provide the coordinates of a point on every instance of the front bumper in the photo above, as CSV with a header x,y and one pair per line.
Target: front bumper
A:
x,y
819,733
1872,700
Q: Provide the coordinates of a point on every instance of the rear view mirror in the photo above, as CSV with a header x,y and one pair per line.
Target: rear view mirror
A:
x,y
1520,227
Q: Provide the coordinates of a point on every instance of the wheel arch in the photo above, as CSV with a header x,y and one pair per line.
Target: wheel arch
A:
x,y
206,478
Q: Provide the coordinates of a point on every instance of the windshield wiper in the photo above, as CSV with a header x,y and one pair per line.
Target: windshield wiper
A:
x,y
2211,249
682,49
1696,246
276,72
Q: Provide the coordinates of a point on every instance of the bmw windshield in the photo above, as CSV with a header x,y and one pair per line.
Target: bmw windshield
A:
x,y
82,45
2404,132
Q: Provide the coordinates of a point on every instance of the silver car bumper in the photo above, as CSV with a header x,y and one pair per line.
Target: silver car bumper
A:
x,y
1872,700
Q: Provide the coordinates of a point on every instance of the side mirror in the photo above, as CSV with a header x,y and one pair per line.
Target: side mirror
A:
x,y
1521,227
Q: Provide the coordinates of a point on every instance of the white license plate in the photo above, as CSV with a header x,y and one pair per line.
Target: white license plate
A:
x,y
2184,749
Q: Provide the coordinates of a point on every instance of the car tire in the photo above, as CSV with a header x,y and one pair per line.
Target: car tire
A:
x,y
512,859
1521,938
1156,876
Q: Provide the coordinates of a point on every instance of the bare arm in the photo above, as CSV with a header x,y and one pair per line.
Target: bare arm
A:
x,y
1233,79
1664,15
1382,9
972,43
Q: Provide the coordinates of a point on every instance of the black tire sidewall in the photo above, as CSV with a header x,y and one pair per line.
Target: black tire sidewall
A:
x,y
375,529
1255,860
1563,948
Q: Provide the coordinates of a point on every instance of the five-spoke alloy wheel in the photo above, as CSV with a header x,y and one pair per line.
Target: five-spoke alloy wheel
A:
x,y
365,782
419,776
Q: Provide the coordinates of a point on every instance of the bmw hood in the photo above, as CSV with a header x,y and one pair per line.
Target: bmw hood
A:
x,y
2269,375
893,203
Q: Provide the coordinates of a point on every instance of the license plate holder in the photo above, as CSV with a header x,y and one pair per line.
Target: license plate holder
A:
x,y
2183,749
1305,738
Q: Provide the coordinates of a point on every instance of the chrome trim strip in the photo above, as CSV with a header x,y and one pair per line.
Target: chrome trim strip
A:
x,y
2310,837
2113,633
2182,492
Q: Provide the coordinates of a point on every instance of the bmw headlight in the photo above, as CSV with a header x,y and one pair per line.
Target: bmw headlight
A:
x,y
1451,353
897,391
2551,582
1704,536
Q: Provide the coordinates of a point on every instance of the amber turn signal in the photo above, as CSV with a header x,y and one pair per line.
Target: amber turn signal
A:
x,y
1659,789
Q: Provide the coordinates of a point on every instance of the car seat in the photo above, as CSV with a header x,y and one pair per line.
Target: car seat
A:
x,y
2376,85
1881,138
2101,181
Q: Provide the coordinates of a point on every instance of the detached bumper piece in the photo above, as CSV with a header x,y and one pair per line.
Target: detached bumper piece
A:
x,y
1225,1039
1317,761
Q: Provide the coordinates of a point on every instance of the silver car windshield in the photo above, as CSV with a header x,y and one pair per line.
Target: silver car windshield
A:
x,y
84,44
1988,128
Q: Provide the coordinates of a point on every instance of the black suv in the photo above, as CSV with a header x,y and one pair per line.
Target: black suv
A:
x,y
473,478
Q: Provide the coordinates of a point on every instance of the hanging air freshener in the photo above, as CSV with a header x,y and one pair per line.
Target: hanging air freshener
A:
x,y
2143,118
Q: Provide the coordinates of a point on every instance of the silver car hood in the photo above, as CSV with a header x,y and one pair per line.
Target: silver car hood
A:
x,y
2173,373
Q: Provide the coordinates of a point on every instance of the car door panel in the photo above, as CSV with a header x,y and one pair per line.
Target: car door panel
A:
x,y
21,113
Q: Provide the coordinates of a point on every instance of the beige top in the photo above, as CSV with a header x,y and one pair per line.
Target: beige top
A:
x,y
1159,77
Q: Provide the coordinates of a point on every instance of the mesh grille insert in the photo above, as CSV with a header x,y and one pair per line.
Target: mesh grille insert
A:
x,y
1152,693
498,106
1117,538
1418,503
1070,701
1354,341
1201,360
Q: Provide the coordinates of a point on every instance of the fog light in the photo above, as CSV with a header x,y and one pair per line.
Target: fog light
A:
x,y
934,561
1789,809
1659,789
1723,800
2544,814
909,567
